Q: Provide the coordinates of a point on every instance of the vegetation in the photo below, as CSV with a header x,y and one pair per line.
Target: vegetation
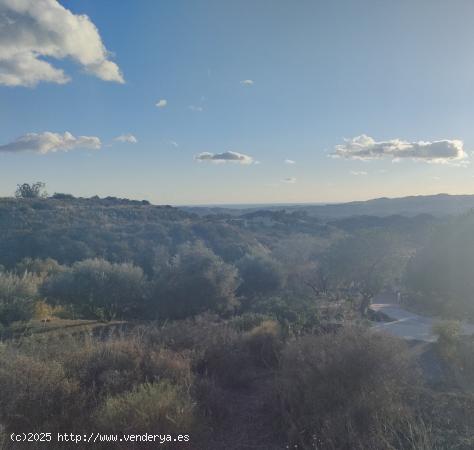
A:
x,y
239,330
348,390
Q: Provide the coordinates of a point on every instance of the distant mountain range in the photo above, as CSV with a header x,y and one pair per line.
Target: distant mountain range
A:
x,y
436,205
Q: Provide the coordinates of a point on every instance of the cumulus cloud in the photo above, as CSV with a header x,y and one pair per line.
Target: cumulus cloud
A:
x,y
365,148
195,108
358,172
161,103
247,82
34,29
226,157
289,180
48,142
129,138
289,161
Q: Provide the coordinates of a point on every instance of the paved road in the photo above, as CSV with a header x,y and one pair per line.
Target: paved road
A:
x,y
406,324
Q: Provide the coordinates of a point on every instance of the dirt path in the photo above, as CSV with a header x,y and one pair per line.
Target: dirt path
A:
x,y
405,324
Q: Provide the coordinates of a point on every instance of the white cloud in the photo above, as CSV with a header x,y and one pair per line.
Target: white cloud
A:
x,y
289,161
173,143
226,157
161,103
34,29
289,180
357,172
365,148
129,138
48,142
195,108
247,82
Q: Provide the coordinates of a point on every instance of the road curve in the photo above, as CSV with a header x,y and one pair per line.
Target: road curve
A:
x,y
405,324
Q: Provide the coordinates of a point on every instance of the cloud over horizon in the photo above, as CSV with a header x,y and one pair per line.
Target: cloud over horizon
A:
x,y
364,148
48,142
289,161
247,82
129,138
34,29
225,157
289,180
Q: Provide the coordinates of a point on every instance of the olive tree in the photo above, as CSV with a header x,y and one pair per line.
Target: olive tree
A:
x,y
98,288
362,264
194,280
17,296
261,275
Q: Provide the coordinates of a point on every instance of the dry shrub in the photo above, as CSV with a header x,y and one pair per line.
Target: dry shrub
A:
x,y
345,391
190,334
213,400
119,364
169,365
226,360
448,333
36,394
152,407
264,343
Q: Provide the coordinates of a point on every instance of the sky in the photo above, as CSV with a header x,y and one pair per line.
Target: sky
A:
x,y
237,101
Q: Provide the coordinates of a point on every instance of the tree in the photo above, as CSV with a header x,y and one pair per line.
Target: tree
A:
x,y
99,289
35,190
194,280
261,275
17,295
40,267
364,263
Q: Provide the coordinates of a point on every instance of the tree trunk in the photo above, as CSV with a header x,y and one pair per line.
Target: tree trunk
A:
x,y
364,304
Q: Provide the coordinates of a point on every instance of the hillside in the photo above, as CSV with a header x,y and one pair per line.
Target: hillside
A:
x,y
436,205
71,229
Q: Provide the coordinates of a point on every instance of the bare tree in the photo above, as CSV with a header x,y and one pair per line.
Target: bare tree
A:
x,y
35,190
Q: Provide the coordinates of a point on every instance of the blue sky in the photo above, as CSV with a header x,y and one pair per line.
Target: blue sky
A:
x,y
399,73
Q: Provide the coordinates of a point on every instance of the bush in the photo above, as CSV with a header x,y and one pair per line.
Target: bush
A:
x,y
261,276
17,296
448,331
39,267
226,360
36,395
120,364
195,281
157,406
264,343
99,289
345,391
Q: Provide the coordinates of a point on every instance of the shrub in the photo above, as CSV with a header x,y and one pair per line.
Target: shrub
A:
x,y
151,406
447,331
247,321
264,343
35,394
226,361
195,281
345,391
99,289
119,364
17,296
261,275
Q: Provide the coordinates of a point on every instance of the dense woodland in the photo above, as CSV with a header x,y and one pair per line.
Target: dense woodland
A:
x,y
247,330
